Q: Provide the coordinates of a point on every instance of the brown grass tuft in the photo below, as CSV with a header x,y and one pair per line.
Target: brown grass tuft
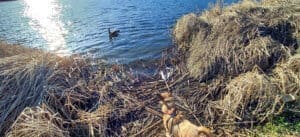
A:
x,y
232,42
38,122
239,64
11,50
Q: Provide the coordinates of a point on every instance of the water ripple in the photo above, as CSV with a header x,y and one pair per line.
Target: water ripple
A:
x,y
80,26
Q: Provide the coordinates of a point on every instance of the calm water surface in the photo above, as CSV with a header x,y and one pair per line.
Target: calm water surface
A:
x,y
80,26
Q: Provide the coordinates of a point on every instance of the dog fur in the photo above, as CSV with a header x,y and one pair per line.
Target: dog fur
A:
x,y
175,123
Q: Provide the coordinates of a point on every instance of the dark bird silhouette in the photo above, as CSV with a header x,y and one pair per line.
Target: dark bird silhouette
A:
x,y
114,33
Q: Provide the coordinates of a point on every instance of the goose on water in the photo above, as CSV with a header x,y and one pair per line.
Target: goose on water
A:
x,y
114,33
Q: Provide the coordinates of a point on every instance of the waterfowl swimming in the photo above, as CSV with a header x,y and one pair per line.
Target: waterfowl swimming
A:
x,y
114,33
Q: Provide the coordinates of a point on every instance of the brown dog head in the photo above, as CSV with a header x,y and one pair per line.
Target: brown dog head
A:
x,y
165,95
167,102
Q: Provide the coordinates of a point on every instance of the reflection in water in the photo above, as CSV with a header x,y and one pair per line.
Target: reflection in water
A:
x,y
44,18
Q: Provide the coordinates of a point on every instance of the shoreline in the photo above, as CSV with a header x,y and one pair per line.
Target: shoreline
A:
x,y
238,85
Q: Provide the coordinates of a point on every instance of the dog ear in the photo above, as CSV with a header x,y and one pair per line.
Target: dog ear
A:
x,y
160,96
161,102
165,95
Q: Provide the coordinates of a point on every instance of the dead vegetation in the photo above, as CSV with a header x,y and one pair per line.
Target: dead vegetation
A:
x,y
12,50
242,55
231,69
235,39
84,99
39,121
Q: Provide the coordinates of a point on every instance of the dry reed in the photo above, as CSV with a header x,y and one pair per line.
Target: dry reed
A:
x,y
38,122
231,70
235,40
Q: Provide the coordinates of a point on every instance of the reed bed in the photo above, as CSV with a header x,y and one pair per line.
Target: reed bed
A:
x,y
38,121
12,50
232,40
22,79
90,100
239,60
228,73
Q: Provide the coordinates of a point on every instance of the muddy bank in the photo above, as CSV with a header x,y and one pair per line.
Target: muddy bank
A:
x,y
231,69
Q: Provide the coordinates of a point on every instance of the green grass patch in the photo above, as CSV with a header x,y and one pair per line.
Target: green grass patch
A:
x,y
287,124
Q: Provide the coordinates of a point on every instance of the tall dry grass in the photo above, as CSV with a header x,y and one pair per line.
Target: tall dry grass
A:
x,y
31,77
22,79
81,98
242,55
39,121
12,50
231,71
235,39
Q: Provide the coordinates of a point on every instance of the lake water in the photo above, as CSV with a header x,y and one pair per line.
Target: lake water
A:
x,y
69,27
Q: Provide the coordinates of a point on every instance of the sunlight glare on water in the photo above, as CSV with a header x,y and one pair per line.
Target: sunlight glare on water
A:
x,y
80,27
45,19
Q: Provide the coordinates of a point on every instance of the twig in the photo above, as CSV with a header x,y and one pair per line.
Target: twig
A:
x,y
153,125
188,108
179,80
234,123
135,101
